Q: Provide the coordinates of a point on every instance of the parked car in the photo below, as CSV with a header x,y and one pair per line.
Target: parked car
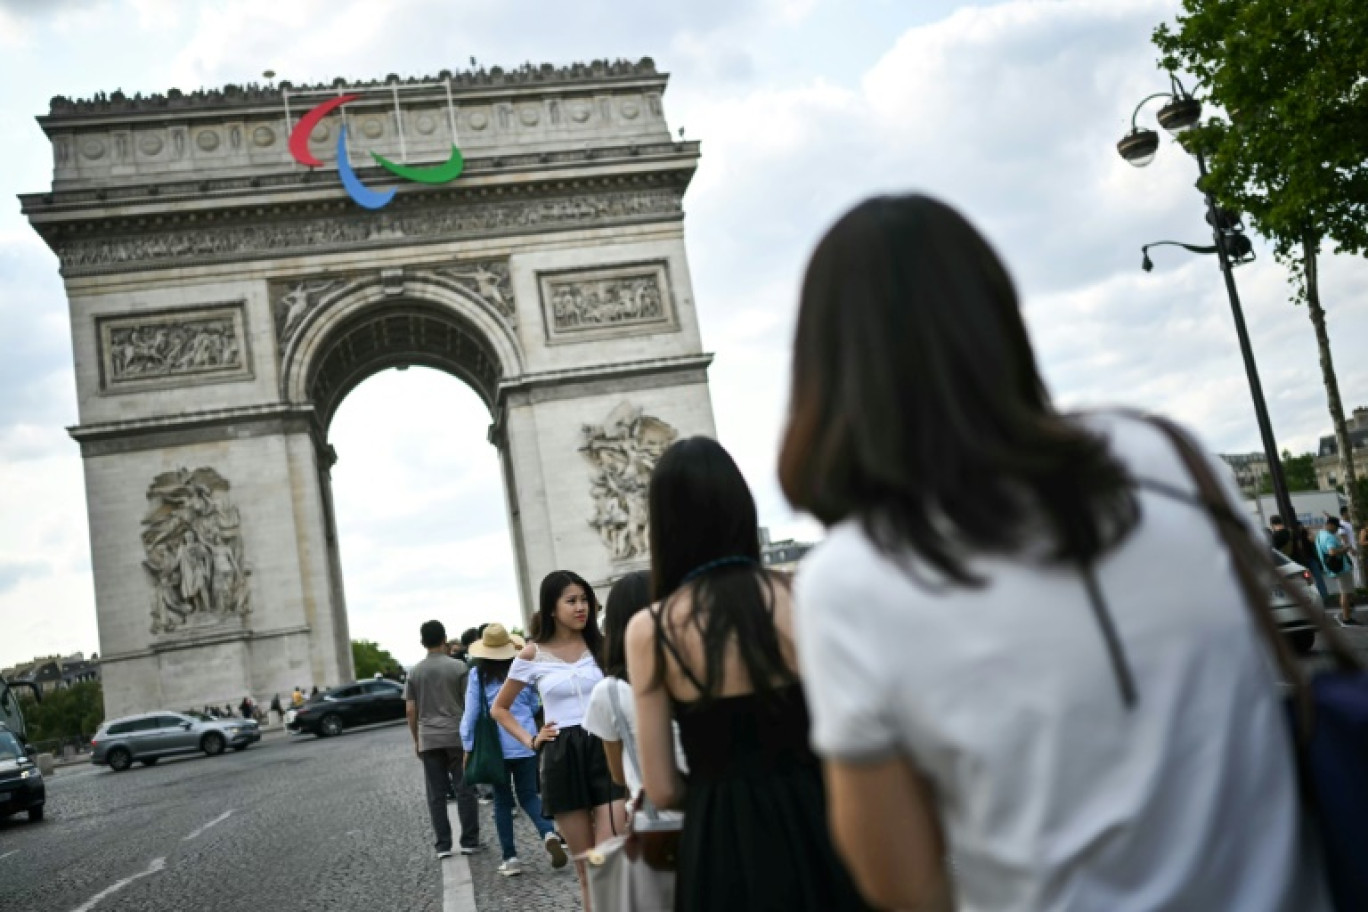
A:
x,y
21,783
360,703
1301,636
148,737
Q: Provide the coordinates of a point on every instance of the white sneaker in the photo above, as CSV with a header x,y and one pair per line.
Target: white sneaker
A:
x,y
555,849
511,868
444,853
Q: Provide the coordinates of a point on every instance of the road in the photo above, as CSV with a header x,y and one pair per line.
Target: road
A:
x,y
290,824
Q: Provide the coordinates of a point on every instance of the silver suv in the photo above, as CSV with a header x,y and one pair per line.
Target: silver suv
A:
x,y
148,737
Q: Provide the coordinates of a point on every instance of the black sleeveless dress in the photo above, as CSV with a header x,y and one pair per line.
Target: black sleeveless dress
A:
x,y
755,827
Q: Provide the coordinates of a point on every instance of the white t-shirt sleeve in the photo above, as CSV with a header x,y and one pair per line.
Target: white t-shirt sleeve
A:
x,y
836,622
525,671
598,716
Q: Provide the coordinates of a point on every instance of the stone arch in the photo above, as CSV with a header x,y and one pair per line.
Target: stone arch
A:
x,y
371,328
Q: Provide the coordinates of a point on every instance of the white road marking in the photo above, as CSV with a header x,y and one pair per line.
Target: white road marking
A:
x,y
458,887
217,820
8,854
156,865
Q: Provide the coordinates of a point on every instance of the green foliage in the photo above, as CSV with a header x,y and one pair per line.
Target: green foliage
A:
x,y
1300,472
65,713
368,658
1290,151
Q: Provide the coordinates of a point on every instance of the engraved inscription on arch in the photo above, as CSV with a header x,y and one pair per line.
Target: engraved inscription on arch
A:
x,y
628,299
202,344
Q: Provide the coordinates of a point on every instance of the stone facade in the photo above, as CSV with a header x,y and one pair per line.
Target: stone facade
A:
x,y
224,300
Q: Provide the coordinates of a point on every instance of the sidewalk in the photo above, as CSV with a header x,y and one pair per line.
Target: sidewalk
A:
x,y
538,889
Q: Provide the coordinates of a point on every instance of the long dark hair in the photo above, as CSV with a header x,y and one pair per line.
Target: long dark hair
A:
x,y
704,534
628,596
491,670
917,406
552,585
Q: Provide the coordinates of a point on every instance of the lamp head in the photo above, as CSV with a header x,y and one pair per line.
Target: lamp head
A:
x,y
1180,114
1139,146
1146,263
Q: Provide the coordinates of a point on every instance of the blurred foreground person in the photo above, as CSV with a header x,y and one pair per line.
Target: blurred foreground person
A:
x,y
717,654
1016,659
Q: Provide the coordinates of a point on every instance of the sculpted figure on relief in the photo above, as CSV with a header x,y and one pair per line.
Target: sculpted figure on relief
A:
x,y
193,540
623,451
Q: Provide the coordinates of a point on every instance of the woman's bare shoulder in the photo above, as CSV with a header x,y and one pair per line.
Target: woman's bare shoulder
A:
x,y
529,652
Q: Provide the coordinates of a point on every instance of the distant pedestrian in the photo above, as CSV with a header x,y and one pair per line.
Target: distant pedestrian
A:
x,y
562,665
1337,567
1280,536
1013,708
276,708
1346,532
245,707
297,698
493,654
314,691
1304,553
434,706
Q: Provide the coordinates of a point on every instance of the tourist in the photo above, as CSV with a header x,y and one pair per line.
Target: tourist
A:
x,y
493,654
1304,553
277,709
561,664
1279,536
297,698
1336,567
629,595
717,655
1016,658
1346,532
433,706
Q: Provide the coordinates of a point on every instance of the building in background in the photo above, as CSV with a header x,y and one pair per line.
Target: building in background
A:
x,y
52,673
1250,470
1328,469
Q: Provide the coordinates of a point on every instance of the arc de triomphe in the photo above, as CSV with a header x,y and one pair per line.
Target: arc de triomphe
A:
x,y
225,298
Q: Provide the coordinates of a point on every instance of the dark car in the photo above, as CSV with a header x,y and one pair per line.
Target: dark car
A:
x,y
361,703
21,784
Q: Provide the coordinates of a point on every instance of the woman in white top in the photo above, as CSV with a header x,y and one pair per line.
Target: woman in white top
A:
x,y
577,789
1016,658
614,724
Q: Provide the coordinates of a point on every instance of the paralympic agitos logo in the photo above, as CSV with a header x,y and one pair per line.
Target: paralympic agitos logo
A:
x,y
365,196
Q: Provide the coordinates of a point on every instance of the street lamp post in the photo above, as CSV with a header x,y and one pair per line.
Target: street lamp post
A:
x,y
1231,247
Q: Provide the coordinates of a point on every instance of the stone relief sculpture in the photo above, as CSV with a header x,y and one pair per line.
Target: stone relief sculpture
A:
x,y
606,302
623,451
193,540
187,244
297,302
488,280
138,352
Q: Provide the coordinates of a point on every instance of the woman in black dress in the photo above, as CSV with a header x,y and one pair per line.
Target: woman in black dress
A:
x,y
716,653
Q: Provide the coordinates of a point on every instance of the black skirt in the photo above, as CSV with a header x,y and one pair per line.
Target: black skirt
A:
x,y
574,773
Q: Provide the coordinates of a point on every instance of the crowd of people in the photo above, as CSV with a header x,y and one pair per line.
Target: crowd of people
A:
x,y
1334,558
1016,674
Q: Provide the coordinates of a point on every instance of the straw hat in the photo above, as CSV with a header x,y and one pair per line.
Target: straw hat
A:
x,y
495,644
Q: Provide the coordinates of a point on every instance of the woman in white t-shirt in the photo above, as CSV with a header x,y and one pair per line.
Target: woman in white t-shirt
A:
x,y
616,724
1014,657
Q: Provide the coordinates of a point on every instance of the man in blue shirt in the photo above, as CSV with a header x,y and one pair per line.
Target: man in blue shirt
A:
x,y
1339,571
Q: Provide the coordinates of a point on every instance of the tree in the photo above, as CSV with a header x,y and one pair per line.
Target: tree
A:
x,y
1300,472
1290,153
368,659
67,712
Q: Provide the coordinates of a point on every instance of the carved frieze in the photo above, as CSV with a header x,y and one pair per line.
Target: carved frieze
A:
x,y
487,280
623,451
192,538
616,300
173,347
292,302
257,237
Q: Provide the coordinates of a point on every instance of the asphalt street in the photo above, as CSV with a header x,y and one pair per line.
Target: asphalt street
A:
x,y
289,824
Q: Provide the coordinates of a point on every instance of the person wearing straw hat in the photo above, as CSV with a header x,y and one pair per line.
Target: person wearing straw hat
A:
x,y
493,655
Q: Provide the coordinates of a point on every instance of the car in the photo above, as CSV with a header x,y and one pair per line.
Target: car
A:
x,y
21,783
358,703
146,738
1287,613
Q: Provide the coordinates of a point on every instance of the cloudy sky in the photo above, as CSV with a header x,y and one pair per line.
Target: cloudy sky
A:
x,y
1010,111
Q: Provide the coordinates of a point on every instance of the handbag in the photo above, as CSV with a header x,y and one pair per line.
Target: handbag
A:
x,y
634,872
1328,709
486,765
